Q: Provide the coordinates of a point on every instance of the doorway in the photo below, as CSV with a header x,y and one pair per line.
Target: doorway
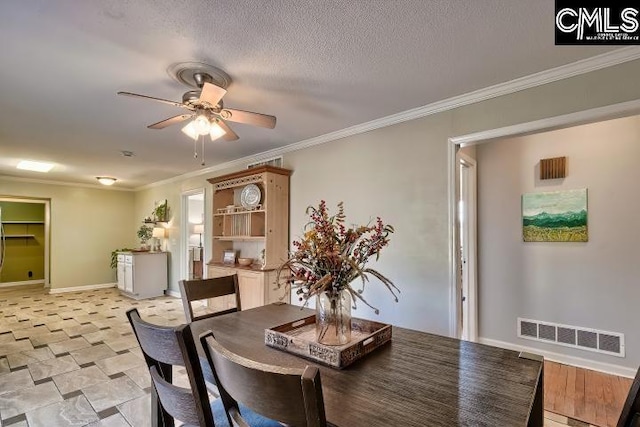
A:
x,y
24,241
608,112
193,231
466,216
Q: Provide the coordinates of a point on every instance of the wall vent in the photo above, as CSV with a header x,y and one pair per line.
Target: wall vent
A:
x,y
276,161
611,343
553,168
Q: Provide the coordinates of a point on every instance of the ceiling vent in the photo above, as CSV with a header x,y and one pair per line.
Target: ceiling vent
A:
x,y
611,343
276,161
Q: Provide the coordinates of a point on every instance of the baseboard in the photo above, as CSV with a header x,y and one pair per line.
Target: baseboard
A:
x,y
22,283
579,362
82,288
173,293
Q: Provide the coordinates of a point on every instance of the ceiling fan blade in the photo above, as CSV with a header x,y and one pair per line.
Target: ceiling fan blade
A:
x,y
212,94
230,135
170,121
164,101
249,118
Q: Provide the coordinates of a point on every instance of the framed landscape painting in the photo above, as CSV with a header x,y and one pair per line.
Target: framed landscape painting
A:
x,y
557,216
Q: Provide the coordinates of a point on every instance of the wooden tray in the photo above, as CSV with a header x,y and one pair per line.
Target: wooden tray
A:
x,y
299,338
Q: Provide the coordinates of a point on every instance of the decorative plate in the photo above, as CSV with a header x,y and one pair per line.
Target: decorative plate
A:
x,y
250,196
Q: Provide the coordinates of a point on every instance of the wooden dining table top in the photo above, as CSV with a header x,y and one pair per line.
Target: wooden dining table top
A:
x,y
418,379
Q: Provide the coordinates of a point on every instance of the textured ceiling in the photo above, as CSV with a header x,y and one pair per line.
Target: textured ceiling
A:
x,y
318,65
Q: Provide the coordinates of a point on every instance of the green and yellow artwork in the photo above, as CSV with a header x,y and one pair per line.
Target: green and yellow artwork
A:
x,y
556,216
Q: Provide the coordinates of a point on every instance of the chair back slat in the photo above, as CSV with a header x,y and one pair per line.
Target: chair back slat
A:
x,y
177,401
195,290
630,416
290,396
156,342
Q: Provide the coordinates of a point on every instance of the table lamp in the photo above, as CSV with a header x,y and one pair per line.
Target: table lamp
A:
x,y
199,229
158,233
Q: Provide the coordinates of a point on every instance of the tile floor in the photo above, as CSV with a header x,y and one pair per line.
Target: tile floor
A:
x,y
72,360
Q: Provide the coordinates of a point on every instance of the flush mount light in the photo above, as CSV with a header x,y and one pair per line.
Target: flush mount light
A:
x,y
106,180
30,165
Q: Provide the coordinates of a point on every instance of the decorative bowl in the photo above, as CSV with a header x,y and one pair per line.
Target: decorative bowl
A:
x,y
245,261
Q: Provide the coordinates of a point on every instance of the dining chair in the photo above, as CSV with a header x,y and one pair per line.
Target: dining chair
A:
x,y
199,289
164,347
291,396
630,416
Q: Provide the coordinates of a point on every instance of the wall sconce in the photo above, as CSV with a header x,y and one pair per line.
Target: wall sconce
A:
x,y
158,233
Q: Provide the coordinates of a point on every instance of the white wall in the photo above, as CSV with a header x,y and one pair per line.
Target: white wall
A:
x,y
400,173
592,284
86,225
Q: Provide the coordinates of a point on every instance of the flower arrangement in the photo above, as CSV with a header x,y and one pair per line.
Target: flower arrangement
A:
x,y
331,256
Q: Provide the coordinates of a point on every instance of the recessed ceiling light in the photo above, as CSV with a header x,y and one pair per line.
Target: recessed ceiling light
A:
x,y
106,180
30,165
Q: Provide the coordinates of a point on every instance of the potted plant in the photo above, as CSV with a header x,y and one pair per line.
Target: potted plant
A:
x,y
161,212
144,233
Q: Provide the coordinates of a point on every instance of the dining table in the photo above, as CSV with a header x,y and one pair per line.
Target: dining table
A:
x,y
416,379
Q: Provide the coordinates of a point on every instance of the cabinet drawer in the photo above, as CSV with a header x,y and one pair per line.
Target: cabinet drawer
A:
x,y
220,271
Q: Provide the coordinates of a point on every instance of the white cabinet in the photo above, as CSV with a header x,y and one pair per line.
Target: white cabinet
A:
x,y
121,272
142,274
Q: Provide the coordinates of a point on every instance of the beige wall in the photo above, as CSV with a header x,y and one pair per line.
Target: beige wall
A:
x,y
400,174
592,284
86,225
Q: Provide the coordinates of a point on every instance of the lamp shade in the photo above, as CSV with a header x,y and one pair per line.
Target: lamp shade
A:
x,y
190,130
216,131
198,229
158,232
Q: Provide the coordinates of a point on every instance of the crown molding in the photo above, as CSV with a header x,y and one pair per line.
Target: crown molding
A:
x,y
583,66
62,183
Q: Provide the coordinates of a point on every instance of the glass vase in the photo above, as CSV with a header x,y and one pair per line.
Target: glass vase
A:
x,y
333,317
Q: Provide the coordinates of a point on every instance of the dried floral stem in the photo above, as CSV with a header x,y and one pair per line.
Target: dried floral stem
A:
x,y
330,256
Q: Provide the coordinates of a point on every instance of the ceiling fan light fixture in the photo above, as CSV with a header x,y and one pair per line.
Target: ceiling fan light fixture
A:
x,y
216,131
106,180
202,124
190,130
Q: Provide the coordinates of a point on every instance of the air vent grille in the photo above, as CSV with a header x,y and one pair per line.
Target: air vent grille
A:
x,y
547,332
276,161
611,343
566,335
587,339
529,329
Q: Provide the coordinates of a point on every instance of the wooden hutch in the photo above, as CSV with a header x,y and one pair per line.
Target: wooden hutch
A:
x,y
251,219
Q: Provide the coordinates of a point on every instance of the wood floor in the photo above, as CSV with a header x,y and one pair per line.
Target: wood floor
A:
x,y
589,396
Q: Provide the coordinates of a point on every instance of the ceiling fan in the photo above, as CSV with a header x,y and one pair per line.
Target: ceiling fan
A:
x,y
207,111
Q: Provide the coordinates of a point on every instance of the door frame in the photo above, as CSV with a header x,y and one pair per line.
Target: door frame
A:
x,y
185,232
609,112
47,239
471,318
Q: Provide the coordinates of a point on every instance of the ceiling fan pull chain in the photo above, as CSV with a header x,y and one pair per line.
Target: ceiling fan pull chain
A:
x,y
202,151
195,148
